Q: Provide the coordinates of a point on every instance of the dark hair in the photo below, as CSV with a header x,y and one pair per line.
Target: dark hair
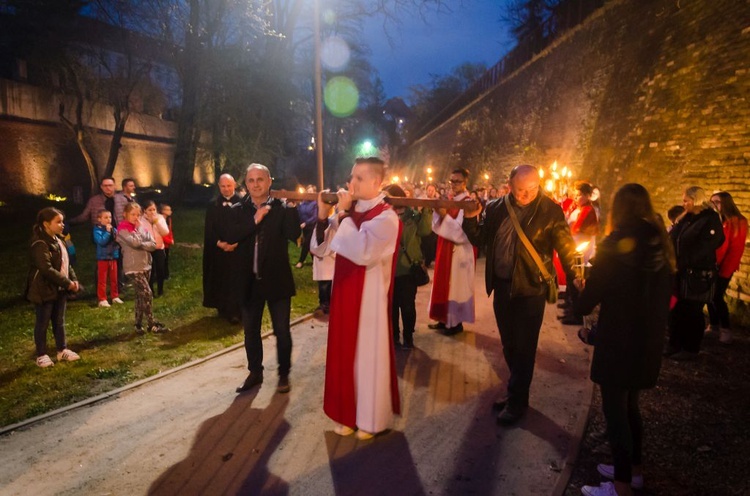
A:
x,y
395,190
162,205
461,170
376,165
110,178
126,181
631,204
675,212
147,204
584,187
46,214
729,209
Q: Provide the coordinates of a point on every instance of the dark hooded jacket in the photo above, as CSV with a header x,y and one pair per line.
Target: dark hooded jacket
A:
x,y
45,281
631,278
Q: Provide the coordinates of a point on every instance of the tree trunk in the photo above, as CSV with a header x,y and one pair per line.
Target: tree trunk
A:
x,y
121,118
77,129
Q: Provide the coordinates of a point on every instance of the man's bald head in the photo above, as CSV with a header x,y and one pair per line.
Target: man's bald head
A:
x,y
524,184
227,185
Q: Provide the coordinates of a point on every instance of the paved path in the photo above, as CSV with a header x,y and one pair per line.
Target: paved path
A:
x,y
189,433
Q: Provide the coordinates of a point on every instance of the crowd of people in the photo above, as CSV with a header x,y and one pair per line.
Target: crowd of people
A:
x,y
641,279
131,242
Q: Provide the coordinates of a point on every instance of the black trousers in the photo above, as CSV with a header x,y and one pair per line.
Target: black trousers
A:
x,y
686,326
718,311
624,429
324,294
252,318
404,298
307,232
429,248
519,320
54,312
166,263
158,271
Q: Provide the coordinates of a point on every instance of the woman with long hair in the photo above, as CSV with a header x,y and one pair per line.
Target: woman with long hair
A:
x,y
696,236
631,281
728,258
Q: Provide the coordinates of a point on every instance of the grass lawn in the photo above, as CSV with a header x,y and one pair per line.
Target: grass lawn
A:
x,y
112,355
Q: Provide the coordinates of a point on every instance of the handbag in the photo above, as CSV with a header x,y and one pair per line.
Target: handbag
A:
x,y
548,278
698,285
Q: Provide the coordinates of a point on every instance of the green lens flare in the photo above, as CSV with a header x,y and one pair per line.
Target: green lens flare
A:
x,y
341,96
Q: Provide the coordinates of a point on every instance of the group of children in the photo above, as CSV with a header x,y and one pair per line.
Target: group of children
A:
x,y
140,243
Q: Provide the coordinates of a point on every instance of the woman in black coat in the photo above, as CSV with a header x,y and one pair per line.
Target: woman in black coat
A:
x,y
631,280
696,236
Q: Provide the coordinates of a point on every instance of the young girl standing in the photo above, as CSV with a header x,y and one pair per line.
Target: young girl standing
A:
x,y
50,278
137,245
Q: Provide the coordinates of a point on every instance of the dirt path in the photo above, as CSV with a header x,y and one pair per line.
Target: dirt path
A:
x,y
189,433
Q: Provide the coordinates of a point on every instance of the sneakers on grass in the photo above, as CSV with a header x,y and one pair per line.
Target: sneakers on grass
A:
x,y
608,471
44,361
67,355
118,301
104,304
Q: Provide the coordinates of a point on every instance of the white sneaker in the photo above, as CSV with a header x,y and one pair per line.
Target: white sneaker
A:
x,y
67,355
604,489
118,301
104,303
608,471
725,335
44,361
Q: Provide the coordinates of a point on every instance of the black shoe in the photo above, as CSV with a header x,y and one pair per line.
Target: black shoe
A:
x,y
408,342
252,380
158,328
511,414
572,320
283,386
437,325
452,331
139,329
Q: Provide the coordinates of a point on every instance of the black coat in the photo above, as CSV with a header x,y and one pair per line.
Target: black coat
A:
x,y
45,281
631,279
274,279
221,284
547,230
696,238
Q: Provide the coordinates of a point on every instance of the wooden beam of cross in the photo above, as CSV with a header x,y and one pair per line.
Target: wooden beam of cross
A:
x,y
395,201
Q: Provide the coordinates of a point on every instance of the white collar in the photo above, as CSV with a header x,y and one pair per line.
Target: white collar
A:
x,y
365,205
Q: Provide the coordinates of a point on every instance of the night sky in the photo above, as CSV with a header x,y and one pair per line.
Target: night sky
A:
x,y
472,32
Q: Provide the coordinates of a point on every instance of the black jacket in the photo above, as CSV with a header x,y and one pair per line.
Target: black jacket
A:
x,y
547,230
45,280
274,279
631,278
696,238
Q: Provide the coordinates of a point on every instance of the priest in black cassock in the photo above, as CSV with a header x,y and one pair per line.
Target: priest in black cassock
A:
x,y
221,285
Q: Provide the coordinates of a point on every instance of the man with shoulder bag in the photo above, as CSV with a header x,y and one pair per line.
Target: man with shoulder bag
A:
x,y
519,232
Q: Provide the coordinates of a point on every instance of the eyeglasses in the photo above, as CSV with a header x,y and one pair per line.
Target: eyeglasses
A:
x,y
457,181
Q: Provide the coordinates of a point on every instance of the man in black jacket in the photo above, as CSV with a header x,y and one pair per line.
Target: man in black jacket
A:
x,y
263,226
520,290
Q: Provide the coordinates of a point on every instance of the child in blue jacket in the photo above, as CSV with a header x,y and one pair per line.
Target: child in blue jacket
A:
x,y
107,253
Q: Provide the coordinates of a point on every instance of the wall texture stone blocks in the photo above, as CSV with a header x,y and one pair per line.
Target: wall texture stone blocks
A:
x,y
654,92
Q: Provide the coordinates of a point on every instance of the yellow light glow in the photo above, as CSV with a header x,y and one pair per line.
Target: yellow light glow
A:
x,y
555,175
486,177
300,189
55,198
429,178
406,179
554,165
541,173
549,185
394,179
580,248
570,174
429,170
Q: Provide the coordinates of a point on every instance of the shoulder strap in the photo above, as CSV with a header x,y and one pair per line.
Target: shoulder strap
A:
x,y
525,240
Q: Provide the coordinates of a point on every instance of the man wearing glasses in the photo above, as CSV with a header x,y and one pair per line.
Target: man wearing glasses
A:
x,y
452,297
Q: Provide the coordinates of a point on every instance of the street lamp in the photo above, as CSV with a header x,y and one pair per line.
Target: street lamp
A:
x,y
318,96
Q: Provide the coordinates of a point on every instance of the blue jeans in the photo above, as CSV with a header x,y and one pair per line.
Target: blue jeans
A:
x,y
50,311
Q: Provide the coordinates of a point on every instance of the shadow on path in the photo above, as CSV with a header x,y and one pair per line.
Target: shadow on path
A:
x,y
383,465
231,452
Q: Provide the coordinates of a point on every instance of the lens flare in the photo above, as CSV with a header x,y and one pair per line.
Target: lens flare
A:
x,y
341,96
335,53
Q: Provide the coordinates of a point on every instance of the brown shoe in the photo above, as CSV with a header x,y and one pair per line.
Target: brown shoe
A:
x,y
284,385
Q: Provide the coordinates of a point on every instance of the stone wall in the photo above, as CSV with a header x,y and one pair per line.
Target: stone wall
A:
x,y
38,154
654,92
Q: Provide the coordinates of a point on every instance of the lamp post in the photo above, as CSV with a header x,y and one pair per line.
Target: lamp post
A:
x,y
318,96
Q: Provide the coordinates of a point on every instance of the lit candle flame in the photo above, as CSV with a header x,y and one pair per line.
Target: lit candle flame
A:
x,y
580,248
554,165
301,189
541,173
394,179
549,185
